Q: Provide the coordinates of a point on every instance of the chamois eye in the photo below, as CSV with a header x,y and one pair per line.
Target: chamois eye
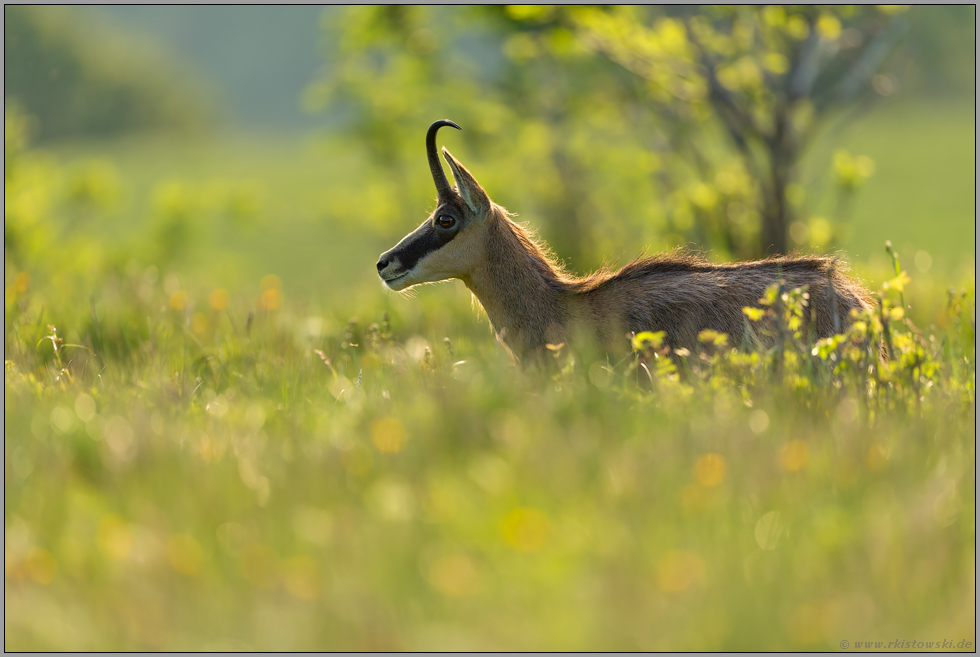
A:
x,y
445,221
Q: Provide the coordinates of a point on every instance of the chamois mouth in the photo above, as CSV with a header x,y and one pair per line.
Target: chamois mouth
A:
x,y
390,280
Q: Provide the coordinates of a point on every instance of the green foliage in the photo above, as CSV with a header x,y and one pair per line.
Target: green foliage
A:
x,y
77,77
663,125
192,467
47,206
548,137
766,76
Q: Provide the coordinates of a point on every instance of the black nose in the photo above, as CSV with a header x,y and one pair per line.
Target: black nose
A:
x,y
382,264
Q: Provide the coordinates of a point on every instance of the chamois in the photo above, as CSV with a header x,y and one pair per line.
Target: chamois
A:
x,y
532,302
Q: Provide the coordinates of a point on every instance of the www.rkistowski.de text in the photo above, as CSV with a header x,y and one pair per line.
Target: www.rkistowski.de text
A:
x,y
944,644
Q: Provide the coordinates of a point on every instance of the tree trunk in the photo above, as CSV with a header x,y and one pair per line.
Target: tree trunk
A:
x,y
569,238
774,223
776,214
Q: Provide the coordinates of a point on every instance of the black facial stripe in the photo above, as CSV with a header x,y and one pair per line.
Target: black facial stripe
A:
x,y
429,241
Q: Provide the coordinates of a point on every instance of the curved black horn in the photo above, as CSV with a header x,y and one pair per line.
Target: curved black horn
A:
x,y
438,175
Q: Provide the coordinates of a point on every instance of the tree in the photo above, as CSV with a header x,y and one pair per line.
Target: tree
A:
x,y
689,125
769,76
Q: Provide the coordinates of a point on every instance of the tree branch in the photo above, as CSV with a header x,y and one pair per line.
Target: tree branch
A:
x,y
807,69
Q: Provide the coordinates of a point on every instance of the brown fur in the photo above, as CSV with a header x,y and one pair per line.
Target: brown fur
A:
x,y
532,302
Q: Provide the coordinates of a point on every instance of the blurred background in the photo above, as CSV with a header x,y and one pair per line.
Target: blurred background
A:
x,y
203,450
238,142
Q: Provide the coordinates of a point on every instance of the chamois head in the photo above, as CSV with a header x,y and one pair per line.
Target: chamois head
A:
x,y
448,243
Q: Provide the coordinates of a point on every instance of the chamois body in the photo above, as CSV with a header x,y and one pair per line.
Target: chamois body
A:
x,y
532,302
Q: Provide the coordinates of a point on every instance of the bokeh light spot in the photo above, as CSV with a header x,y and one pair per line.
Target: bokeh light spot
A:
x,y
185,554
301,577
41,565
923,261
758,422
793,456
119,435
679,570
270,299
829,27
709,470
270,282
392,500
62,420
526,529
218,299
114,538
820,231
799,231
388,435
454,575
84,407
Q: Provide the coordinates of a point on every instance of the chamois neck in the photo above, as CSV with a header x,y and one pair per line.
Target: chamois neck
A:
x,y
520,288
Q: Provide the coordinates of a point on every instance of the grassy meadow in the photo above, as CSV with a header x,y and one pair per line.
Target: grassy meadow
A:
x,y
221,433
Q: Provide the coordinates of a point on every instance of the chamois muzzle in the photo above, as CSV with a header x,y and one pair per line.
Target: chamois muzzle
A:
x,y
438,174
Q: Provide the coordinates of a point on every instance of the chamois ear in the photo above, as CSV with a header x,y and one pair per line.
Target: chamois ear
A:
x,y
470,191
